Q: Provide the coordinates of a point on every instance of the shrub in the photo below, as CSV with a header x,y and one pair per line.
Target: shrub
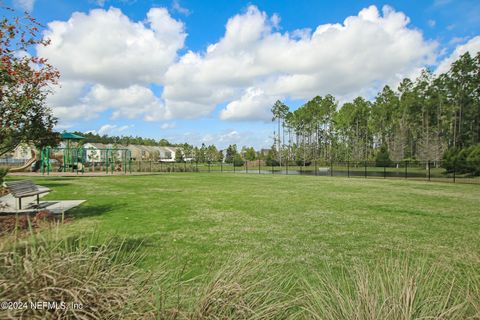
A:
x,y
272,162
449,159
3,173
238,161
473,159
383,157
464,161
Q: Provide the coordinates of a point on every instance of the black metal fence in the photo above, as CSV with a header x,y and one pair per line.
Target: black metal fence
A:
x,y
464,172
11,162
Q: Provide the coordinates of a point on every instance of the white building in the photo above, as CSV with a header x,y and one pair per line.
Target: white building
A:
x,y
94,152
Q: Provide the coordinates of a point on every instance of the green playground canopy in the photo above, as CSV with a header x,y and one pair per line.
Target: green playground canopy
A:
x,y
71,136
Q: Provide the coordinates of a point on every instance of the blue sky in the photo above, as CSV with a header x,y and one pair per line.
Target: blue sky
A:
x,y
208,71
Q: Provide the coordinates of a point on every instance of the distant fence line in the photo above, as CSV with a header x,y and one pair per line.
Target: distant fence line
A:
x,y
12,162
419,170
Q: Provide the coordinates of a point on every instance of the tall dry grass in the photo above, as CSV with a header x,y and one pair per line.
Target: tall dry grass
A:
x,y
107,281
393,289
246,290
102,280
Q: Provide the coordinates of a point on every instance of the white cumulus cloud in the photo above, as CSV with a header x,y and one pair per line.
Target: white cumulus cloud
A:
x,y
105,46
109,129
253,64
168,125
108,61
472,46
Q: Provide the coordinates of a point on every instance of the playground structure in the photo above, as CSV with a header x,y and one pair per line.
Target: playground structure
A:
x,y
77,159
27,164
72,157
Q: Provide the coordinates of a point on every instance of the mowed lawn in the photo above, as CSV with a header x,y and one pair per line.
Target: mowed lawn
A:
x,y
197,220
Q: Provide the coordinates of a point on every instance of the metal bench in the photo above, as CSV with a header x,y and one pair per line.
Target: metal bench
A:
x,y
25,188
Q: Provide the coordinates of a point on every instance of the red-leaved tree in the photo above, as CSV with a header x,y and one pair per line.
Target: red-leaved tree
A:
x,y
25,82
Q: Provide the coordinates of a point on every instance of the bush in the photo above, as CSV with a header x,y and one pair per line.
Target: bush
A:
x,y
238,161
473,159
383,157
3,173
272,162
463,161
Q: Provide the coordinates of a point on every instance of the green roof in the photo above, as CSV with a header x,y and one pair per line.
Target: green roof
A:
x,y
71,136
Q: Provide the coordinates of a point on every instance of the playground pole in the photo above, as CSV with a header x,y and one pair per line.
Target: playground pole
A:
x,y
76,159
42,161
113,162
47,156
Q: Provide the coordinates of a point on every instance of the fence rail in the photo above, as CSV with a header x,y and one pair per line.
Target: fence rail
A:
x,y
460,172
465,172
11,162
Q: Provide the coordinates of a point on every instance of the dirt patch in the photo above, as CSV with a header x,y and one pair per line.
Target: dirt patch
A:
x,y
23,222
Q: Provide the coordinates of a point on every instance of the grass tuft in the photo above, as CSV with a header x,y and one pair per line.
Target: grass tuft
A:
x,y
102,280
246,290
392,289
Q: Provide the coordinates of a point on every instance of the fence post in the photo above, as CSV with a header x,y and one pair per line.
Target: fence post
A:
x,y
331,168
316,170
258,166
286,165
406,169
173,166
246,166
272,168
196,165
184,166
384,172
221,166
348,168
233,163
428,164
365,169
454,170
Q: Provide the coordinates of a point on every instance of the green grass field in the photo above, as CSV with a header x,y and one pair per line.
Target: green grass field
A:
x,y
226,246
296,221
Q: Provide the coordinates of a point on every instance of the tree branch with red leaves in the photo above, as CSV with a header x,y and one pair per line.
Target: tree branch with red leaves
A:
x,y
25,82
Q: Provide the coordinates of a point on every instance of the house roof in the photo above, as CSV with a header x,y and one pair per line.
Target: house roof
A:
x,y
96,145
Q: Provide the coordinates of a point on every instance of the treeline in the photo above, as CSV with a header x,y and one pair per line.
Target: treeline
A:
x,y
123,140
432,118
